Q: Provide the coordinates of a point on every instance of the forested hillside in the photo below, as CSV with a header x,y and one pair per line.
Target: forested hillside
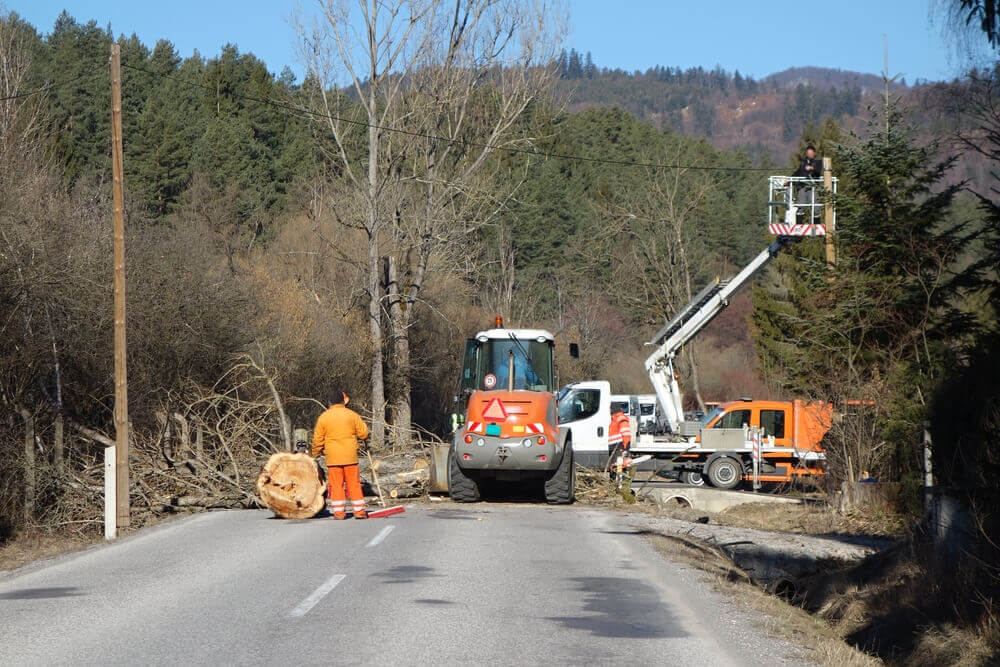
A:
x,y
261,265
247,270
764,118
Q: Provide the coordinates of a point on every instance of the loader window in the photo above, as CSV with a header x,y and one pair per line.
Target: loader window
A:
x,y
532,364
773,423
734,419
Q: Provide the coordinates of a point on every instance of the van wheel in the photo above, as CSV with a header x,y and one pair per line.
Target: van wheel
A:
x,y
560,487
725,473
462,488
692,478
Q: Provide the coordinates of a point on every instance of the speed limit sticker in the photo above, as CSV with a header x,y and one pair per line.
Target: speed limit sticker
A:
x,y
490,381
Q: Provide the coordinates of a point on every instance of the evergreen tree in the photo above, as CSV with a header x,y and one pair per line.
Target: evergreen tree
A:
x,y
574,68
885,319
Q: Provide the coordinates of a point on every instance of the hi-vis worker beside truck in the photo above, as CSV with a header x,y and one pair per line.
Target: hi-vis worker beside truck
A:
x,y
508,424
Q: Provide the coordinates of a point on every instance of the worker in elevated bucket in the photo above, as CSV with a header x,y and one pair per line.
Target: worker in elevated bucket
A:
x,y
336,434
620,440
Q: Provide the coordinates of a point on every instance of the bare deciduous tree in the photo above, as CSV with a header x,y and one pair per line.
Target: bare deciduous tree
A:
x,y
659,219
437,87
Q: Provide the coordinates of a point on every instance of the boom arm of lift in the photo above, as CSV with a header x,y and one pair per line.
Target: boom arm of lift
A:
x,y
687,324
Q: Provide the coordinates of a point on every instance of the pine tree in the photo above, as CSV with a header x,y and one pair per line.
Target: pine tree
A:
x,y
881,324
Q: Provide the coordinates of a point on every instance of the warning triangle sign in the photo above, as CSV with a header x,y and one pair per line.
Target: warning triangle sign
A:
x,y
495,411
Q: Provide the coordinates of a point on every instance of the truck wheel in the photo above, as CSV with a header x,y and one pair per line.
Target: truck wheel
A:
x,y
725,473
560,487
692,478
461,487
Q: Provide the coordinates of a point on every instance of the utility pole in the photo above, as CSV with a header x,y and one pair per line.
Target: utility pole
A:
x,y
831,257
121,379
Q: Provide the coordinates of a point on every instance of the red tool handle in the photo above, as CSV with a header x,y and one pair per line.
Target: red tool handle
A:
x,y
388,511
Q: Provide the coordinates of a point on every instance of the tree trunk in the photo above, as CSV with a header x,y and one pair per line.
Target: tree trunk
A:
x,y
291,486
398,318
374,290
29,465
58,444
695,384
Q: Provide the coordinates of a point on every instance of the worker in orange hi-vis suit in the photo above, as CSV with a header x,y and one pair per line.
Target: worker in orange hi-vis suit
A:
x,y
336,434
620,438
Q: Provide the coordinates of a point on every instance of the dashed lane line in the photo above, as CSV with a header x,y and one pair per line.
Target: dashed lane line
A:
x,y
303,608
384,533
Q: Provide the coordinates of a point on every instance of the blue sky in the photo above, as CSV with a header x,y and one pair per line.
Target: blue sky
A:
x,y
756,37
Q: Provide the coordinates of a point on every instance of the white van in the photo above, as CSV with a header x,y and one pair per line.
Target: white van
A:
x,y
648,421
585,411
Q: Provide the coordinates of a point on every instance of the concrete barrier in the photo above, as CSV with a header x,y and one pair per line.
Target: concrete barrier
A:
x,y
708,499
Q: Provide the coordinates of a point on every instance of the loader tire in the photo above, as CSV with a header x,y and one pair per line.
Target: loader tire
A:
x,y
461,487
560,486
725,473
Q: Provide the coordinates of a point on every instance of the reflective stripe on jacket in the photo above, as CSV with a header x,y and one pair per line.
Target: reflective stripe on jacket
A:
x,y
620,429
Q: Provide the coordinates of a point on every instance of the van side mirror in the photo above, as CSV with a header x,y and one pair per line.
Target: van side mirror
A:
x,y
574,350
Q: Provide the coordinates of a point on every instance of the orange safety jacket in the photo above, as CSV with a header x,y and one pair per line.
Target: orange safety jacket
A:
x,y
620,431
337,433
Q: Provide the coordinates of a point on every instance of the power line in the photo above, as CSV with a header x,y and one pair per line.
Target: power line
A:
x,y
423,135
55,84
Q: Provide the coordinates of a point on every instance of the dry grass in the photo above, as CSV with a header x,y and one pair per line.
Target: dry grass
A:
x,y
906,605
910,607
814,519
28,548
819,642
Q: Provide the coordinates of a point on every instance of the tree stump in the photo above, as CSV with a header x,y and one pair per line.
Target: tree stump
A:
x,y
291,486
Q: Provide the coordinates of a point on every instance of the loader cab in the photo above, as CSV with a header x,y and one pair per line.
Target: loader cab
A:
x,y
492,354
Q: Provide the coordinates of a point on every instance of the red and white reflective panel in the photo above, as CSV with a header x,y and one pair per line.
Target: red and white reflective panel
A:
x,y
783,229
535,428
475,427
495,412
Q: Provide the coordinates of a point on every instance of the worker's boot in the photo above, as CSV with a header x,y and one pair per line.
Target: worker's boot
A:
x,y
361,514
340,516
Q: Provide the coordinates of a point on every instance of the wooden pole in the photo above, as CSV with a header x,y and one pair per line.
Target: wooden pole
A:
x,y
831,257
121,379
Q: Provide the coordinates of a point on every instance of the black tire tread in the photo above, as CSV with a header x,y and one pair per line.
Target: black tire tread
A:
x,y
461,487
560,485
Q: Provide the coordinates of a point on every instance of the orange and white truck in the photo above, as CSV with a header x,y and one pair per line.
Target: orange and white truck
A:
x,y
782,440
719,449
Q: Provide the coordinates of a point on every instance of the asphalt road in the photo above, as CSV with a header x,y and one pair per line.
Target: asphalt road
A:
x,y
441,584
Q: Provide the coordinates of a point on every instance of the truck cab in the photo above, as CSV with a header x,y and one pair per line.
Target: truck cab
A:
x,y
585,410
791,424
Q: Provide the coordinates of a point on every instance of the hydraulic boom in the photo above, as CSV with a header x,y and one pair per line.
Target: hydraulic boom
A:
x,y
691,319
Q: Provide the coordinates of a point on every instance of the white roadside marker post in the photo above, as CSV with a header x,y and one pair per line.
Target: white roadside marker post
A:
x,y
110,487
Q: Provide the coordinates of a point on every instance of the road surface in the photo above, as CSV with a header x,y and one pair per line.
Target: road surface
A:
x,y
441,584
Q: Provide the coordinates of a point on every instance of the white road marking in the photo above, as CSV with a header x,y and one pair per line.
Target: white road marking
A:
x,y
384,533
316,596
